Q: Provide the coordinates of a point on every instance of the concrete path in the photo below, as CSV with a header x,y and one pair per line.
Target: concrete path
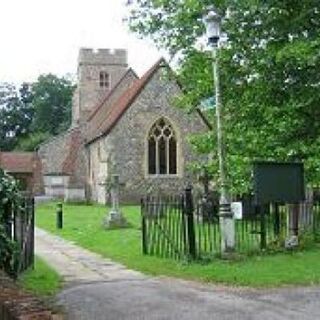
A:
x,y
99,289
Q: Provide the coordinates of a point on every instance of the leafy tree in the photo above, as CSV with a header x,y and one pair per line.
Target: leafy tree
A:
x,y
31,113
7,92
269,75
16,112
52,100
31,141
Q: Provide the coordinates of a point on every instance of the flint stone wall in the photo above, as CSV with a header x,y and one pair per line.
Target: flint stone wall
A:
x,y
90,64
64,156
126,144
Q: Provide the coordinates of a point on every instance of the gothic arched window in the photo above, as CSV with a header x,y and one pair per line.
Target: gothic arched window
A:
x,y
104,79
162,149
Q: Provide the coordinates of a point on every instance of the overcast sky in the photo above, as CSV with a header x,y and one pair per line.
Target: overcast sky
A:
x,y
41,36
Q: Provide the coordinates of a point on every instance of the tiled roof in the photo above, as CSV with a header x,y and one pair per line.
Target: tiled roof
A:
x,y
123,103
99,113
17,162
72,151
98,107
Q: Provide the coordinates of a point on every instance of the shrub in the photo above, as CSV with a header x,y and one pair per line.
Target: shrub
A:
x,y
9,196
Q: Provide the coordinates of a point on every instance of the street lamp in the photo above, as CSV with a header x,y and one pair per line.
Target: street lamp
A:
x,y
212,22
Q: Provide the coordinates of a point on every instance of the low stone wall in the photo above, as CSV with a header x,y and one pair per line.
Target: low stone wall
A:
x,y
15,304
74,194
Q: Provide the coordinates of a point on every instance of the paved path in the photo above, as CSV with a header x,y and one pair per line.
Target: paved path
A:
x,y
99,289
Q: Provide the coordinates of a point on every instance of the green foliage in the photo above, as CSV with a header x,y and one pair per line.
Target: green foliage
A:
x,y
9,196
9,191
41,280
52,99
33,112
31,141
16,112
7,250
269,75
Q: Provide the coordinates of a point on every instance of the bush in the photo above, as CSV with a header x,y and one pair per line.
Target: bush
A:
x,y
9,196
32,141
308,239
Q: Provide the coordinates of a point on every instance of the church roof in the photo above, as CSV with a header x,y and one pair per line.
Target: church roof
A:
x,y
17,162
100,105
99,113
74,145
120,106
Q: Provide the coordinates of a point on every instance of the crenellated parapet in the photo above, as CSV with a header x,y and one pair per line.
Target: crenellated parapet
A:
x,y
102,56
98,71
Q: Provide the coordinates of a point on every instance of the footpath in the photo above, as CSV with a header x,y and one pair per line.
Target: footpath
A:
x,y
100,289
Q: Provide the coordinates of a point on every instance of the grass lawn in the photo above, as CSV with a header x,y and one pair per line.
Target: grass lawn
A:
x,y
82,224
42,280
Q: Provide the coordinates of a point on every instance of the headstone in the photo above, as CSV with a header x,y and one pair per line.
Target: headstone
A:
x,y
236,209
115,218
291,242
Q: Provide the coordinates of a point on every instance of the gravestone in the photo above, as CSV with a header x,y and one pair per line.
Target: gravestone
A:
x,y
115,218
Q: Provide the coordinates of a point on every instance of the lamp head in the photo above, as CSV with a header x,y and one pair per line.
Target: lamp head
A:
x,y
212,22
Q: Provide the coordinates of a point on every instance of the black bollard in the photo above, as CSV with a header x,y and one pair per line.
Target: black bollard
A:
x,y
59,216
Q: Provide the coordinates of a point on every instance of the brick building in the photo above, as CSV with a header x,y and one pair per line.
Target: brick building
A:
x,y
25,167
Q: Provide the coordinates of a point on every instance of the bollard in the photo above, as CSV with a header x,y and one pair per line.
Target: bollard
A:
x,y
59,216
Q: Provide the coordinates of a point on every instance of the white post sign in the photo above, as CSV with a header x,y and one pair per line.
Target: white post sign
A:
x,y
236,209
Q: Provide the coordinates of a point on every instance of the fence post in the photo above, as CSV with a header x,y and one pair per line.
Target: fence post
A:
x,y
263,239
190,222
16,238
22,260
32,232
295,218
144,228
276,220
183,224
315,218
8,224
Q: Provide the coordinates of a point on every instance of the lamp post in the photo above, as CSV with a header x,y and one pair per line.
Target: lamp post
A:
x,y
213,23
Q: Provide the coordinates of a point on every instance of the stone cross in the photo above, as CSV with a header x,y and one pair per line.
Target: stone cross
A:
x,y
115,218
115,194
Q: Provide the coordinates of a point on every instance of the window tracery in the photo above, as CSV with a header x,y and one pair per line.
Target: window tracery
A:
x,y
162,149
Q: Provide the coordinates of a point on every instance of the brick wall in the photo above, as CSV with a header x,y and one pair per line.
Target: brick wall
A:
x,y
65,155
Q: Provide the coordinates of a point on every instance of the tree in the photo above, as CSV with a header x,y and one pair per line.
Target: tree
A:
x,y
16,112
52,100
269,66
33,112
31,141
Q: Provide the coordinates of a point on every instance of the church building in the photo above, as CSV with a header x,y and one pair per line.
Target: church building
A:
x,y
121,124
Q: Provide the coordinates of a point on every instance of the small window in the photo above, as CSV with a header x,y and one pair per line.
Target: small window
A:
x,y
162,149
104,79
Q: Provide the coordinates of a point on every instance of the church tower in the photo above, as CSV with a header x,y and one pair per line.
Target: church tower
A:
x,y
98,71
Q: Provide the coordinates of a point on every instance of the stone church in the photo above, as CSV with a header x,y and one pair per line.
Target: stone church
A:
x,y
121,124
